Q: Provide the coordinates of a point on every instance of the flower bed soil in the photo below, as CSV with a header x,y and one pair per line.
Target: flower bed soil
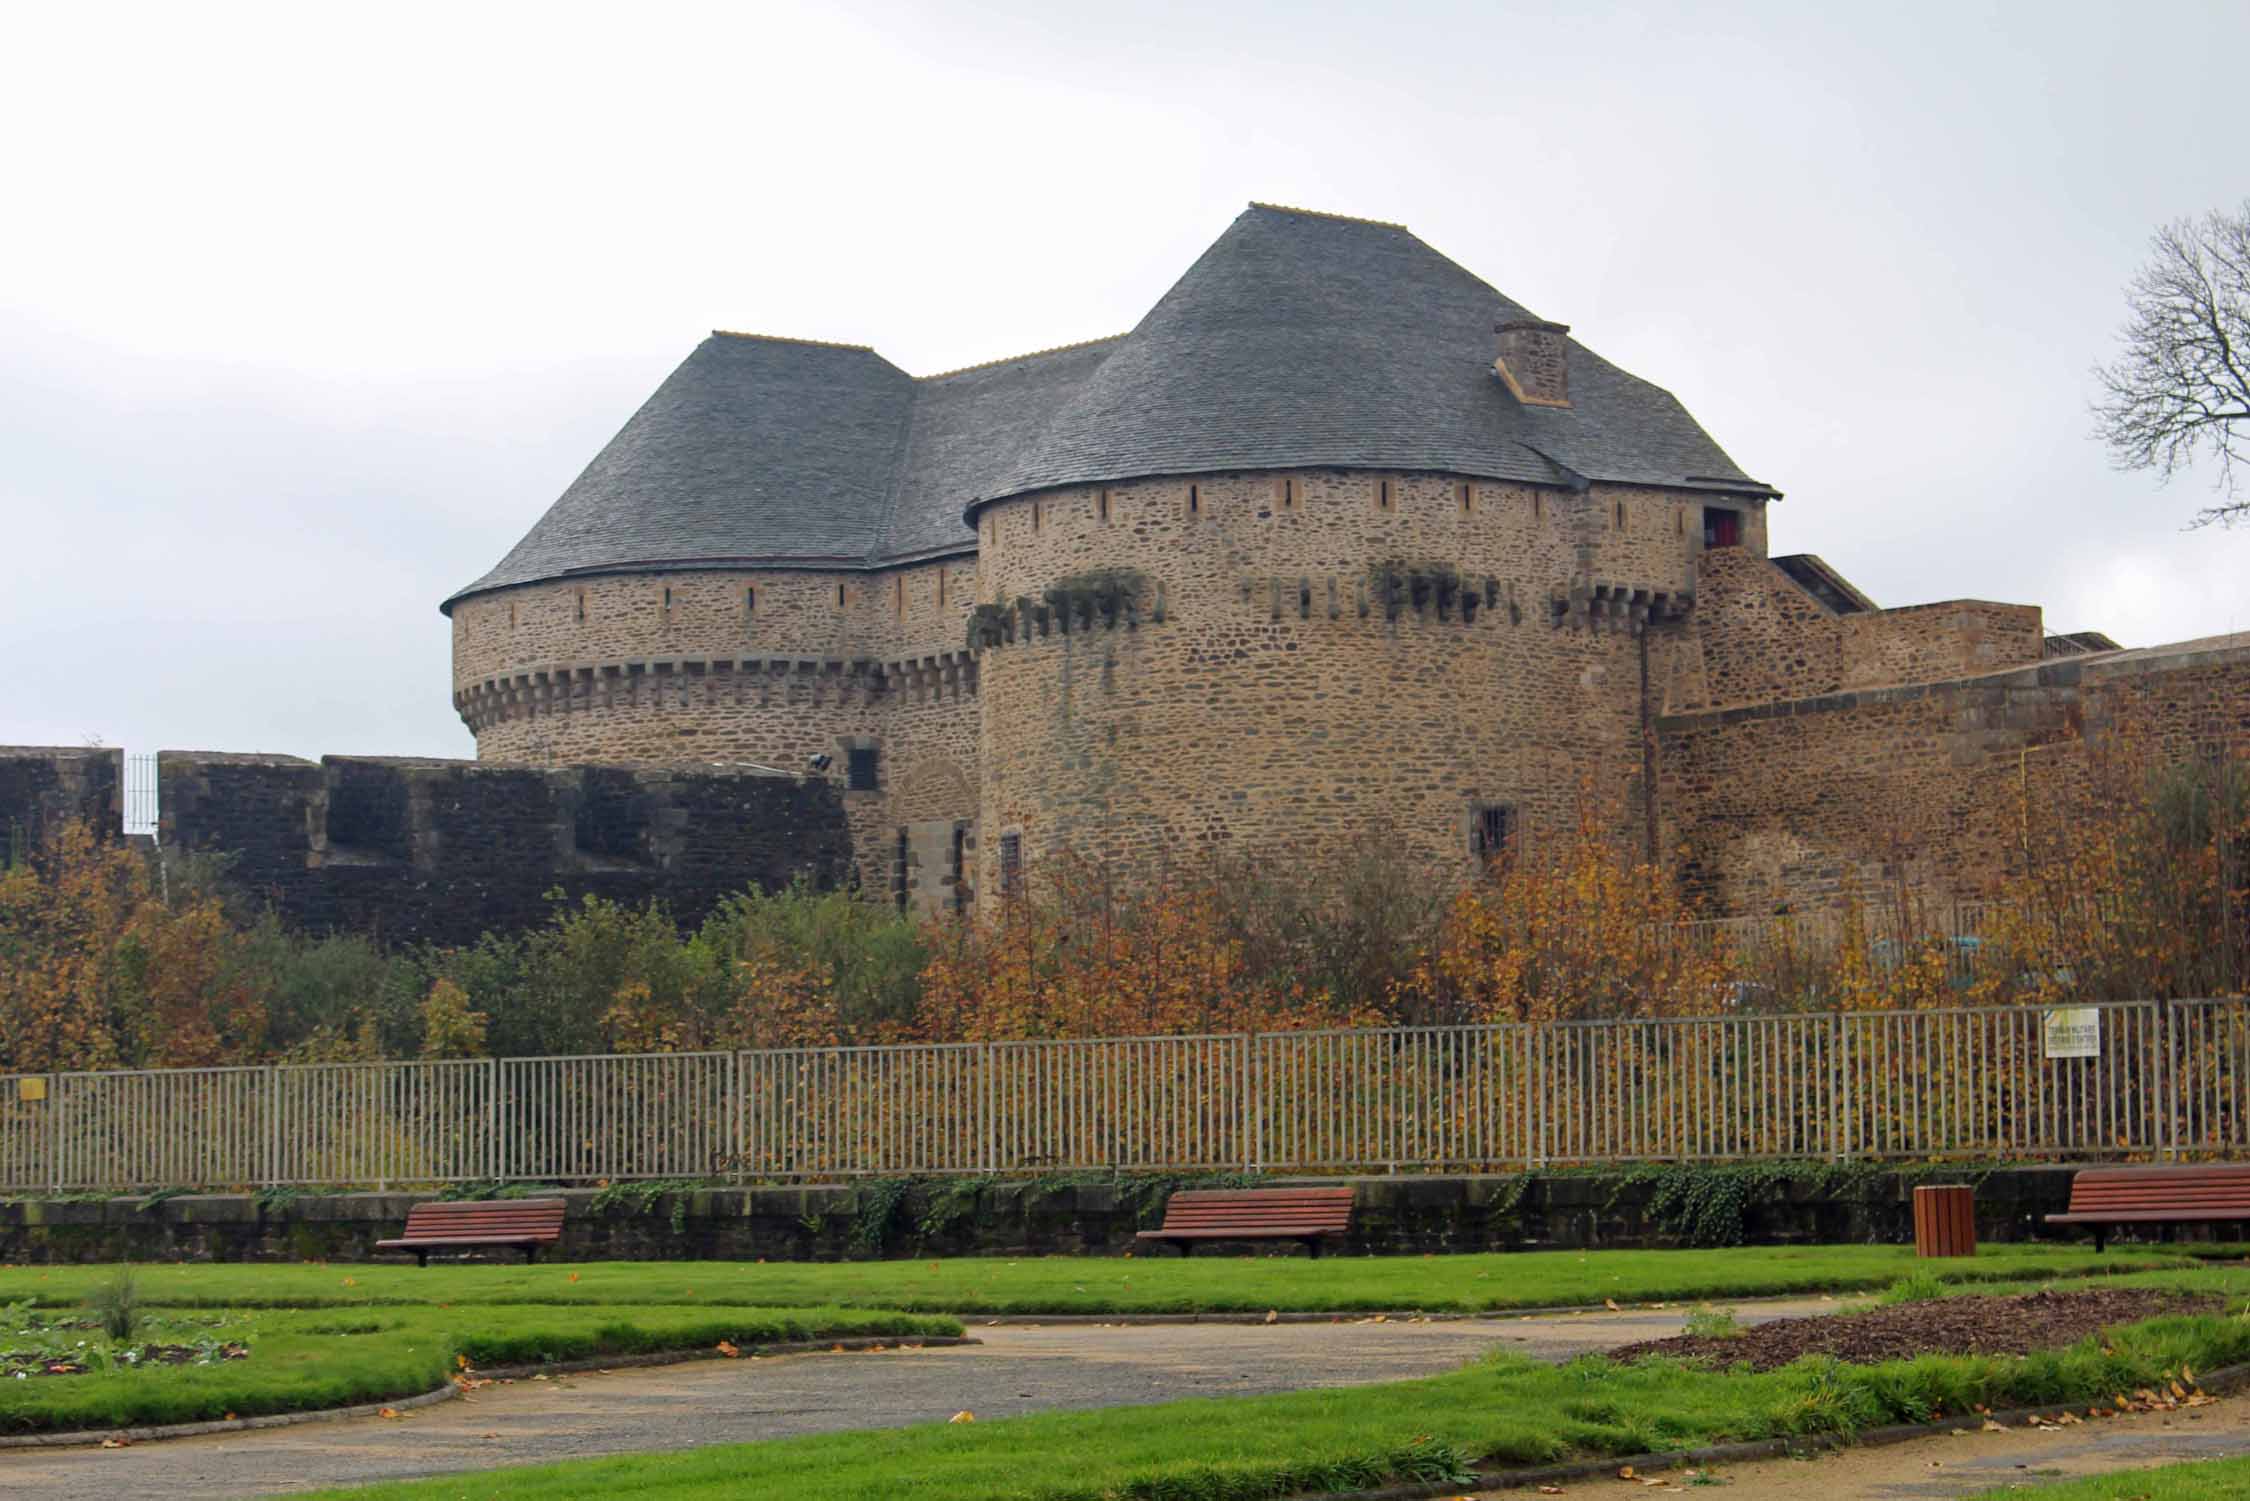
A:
x,y
51,1363
1939,1326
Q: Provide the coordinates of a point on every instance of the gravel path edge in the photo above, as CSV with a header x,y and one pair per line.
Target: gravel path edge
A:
x,y
90,1437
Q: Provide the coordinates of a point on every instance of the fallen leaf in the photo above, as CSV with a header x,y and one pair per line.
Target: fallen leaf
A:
x,y
726,1348
1610,1304
1550,1490
462,1361
1992,1427
1273,1315
388,1412
1627,1473
116,1443
574,1276
963,1416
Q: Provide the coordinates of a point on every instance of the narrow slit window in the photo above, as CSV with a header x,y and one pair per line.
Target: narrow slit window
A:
x,y
1382,495
898,589
1011,865
839,596
1621,515
511,612
1289,495
941,588
1035,516
1195,500
1468,499
1103,503
667,604
581,606
1538,506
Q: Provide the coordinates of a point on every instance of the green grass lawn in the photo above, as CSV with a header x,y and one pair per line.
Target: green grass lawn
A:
x,y
2215,1480
311,1358
1093,1285
1504,1411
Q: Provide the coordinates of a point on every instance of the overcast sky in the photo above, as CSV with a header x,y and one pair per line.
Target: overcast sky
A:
x,y
308,312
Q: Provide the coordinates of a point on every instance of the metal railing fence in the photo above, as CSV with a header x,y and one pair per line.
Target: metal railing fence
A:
x,y
2144,1078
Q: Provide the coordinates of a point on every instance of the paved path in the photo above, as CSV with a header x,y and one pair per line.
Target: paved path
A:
x,y
1938,1469
1019,1368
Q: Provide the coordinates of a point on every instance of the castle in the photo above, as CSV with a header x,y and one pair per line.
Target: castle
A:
x,y
1337,543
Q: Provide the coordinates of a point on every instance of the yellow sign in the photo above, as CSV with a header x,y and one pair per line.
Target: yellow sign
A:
x,y
31,1089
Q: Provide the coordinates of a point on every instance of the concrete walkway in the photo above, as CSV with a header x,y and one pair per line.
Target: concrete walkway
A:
x,y
1019,1368
1954,1465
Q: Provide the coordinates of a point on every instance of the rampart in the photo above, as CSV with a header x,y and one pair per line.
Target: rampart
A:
x,y
43,787
444,851
1795,802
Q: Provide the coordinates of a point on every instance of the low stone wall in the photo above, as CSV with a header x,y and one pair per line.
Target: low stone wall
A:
x,y
1396,1216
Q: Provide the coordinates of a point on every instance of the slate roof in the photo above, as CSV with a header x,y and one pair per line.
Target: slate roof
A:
x,y
1298,340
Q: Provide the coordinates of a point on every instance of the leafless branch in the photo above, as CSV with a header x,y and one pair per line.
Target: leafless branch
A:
x,y
2179,390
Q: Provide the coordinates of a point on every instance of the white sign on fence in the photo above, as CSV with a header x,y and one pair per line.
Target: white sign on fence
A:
x,y
2071,1032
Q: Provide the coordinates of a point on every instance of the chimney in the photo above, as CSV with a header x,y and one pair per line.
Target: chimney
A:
x,y
1534,361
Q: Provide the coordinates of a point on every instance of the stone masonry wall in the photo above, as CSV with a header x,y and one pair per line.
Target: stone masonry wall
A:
x,y
443,851
1757,636
43,787
1260,694
1392,1216
758,666
1795,803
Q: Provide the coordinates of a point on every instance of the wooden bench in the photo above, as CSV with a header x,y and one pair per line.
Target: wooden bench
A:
x,y
2167,1196
1304,1214
529,1223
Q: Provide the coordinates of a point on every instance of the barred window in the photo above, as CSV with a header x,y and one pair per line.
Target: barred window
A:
x,y
1491,827
1011,865
860,763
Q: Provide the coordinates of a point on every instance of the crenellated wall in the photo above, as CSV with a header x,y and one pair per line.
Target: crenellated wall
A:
x,y
43,787
443,851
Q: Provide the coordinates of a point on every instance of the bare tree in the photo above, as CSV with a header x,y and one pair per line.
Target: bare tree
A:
x,y
2180,390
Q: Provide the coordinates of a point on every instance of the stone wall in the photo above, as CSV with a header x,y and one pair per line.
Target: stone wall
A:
x,y
1261,692
443,851
1797,802
43,787
1758,636
770,667
1394,1216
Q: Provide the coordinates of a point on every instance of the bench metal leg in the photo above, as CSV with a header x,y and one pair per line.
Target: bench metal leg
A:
x,y
422,1258
2101,1239
530,1255
1312,1247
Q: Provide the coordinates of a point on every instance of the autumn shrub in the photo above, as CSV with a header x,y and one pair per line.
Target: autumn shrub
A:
x,y
1571,929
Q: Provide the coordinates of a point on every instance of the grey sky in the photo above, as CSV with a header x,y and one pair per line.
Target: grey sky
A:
x,y
307,312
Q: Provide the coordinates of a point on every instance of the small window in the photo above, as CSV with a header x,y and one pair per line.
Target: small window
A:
x,y
1490,828
1102,504
1289,495
581,606
862,769
994,528
898,590
1538,506
1011,865
749,602
839,596
511,612
941,588
1195,500
1468,499
1383,495
1722,527
667,604
1621,515
1035,516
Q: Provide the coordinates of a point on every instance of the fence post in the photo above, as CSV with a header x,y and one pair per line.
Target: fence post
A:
x,y
273,1126
55,1130
1839,1089
989,1126
496,1160
2167,1099
1253,1113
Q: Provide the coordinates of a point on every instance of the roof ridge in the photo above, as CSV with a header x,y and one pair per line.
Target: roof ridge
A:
x,y
1010,359
1316,213
733,333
